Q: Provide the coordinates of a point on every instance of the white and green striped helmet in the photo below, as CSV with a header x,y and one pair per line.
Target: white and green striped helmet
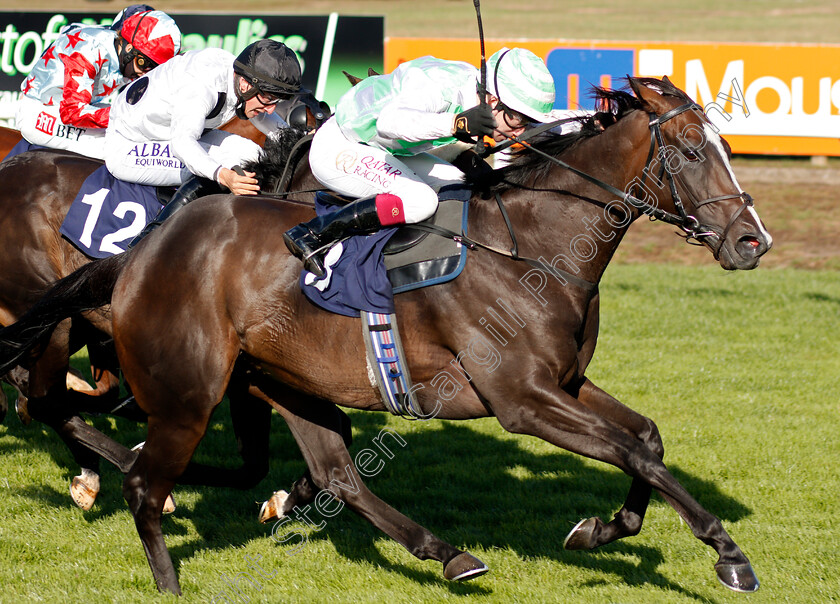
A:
x,y
520,80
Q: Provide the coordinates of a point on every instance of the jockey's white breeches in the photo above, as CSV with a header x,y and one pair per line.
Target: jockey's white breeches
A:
x,y
41,125
151,162
359,170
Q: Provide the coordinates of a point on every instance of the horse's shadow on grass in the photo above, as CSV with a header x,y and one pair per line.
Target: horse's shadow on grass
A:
x,y
820,297
471,488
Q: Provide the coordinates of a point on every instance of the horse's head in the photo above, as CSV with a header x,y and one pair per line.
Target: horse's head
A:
x,y
305,112
690,177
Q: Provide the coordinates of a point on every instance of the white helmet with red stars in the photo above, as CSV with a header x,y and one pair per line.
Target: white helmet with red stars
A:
x,y
153,35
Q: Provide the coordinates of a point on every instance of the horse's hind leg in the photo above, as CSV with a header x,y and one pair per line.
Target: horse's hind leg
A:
x,y
251,420
50,403
304,490
316,426
169,446
4,404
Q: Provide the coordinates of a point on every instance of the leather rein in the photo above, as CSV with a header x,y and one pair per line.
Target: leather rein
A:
x,y
688,223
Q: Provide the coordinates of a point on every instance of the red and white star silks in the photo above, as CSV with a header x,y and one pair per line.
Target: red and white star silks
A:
x,y
79,72
75,107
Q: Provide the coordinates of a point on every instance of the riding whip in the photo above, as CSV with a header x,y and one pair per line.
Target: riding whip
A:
x,y
480,146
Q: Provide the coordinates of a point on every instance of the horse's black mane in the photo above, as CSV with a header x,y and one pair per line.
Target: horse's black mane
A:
x,y
525,167
272,160
611,106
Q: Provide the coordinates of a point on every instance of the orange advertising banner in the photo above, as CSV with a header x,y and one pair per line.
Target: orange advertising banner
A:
x,y
776,99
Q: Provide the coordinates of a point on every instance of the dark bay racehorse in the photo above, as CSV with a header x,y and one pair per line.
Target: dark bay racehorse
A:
x,y
505,339
37,189
9,137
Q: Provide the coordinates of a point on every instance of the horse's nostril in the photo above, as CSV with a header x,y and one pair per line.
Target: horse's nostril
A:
x,y
750,246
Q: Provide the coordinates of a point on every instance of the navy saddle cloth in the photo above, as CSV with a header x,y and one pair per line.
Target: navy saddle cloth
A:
x,y
364,272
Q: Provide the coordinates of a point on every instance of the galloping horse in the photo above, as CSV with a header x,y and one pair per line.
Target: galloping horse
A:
x,y
236,296
38,188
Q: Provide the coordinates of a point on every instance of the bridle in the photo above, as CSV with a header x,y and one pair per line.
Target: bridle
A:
x,y
689,224
692,227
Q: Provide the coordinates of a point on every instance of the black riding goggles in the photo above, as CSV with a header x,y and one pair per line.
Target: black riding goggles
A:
x,y
144,63
268,100
514,119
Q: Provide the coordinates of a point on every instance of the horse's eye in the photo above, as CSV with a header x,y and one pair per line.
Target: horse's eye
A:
x,y
690,155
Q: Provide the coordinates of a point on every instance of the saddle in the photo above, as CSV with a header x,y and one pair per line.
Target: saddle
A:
x,y
414,256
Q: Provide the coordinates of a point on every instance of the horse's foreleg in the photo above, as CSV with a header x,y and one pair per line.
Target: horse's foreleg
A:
x,y
593,532
571,424
317,426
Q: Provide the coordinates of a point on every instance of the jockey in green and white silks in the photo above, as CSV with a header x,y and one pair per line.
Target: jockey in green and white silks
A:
x,y
375,146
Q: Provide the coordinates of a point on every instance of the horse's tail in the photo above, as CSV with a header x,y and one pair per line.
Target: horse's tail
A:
x,y
85,289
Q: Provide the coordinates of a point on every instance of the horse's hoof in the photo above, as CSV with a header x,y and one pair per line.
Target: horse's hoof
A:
x,y
464,567
737,577
169,505
21,406
582,536
83,491
76,382
273,508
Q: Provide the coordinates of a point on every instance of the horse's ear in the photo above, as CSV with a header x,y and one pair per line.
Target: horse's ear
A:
x,y
650,97
667,80
637,87
352,79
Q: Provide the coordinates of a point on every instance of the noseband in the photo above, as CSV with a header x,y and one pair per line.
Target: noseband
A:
x,y
686,222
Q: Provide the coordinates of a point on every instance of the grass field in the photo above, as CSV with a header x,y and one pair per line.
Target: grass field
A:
x,y
739,370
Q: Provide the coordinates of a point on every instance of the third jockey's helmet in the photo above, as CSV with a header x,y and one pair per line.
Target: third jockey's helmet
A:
x,y
125,13
154,37
522,82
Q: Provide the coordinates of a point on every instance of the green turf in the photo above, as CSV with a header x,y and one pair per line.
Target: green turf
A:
x,y
739,371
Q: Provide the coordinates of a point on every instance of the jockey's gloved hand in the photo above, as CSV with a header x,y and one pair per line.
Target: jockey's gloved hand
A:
x,y
474,123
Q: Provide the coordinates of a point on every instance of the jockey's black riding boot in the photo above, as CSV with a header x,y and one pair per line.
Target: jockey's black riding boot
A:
x,y
310,241
192,188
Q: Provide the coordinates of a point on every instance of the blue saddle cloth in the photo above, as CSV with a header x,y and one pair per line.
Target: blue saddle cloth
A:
x,y
356,275
108,213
